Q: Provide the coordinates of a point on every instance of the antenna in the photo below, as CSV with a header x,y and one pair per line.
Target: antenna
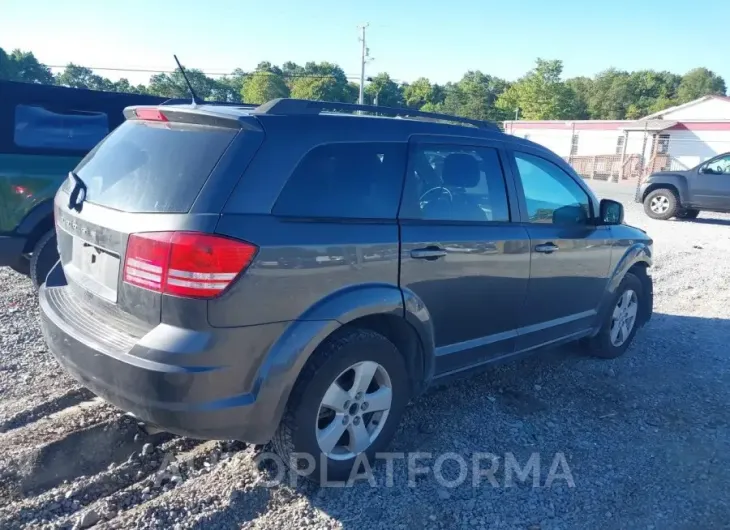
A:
x,y
195,99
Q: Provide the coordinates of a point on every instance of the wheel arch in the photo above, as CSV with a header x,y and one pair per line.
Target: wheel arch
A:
x,y
636,259
378,307
675,184
38,222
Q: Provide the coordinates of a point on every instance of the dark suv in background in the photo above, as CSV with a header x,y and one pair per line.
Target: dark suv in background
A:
x,y
45,130
683,194
298,274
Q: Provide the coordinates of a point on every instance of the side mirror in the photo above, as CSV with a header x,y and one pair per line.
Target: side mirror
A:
x,y
705,169
612,212
570,215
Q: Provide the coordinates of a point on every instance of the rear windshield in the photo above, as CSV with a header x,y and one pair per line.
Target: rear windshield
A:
x,y
152,167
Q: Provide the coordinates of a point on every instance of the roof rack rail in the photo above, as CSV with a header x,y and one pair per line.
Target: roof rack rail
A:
x,y
186,101
305,106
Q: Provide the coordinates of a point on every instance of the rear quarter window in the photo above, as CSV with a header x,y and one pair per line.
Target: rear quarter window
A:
x,y
147,167
346,180
70,130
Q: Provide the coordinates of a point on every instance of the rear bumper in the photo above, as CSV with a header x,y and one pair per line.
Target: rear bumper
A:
x,y
11,250
191,383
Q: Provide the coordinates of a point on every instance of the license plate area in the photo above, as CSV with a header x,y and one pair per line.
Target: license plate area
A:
x,y
95,269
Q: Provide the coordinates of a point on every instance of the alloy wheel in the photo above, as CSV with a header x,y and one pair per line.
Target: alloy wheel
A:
x,y
623,319
354,410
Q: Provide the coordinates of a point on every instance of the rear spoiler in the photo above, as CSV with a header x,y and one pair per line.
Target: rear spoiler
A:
x,y
198,115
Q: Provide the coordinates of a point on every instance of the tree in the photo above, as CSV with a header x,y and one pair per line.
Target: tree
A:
x,y
228,88
319,81
173,85
417,94
582,87
611,95
700,82
540,95
385,90
23,66
265,84
475,96
648,89
75,76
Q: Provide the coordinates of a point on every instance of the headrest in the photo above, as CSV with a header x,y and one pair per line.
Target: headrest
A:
x,y
460,170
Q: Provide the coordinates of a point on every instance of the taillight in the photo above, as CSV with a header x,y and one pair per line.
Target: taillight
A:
x,y
186,264
150,114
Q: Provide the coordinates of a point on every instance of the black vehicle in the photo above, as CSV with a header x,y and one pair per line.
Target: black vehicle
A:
x,y
683,194
296,273
45,130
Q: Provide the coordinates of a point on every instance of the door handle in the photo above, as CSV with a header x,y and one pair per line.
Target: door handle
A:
x,y
428,253
546,248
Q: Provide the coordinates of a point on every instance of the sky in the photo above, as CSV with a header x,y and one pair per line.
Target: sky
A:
x,y
408,39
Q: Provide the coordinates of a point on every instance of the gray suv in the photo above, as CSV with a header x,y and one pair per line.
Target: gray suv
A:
x,y
296,273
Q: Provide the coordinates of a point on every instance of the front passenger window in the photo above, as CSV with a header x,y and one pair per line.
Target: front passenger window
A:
x,y
719,166
551,194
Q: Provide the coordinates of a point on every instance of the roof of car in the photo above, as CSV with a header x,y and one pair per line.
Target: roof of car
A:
x,y
415,122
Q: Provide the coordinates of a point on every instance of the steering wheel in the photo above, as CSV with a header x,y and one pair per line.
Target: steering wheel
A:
x,y
444,191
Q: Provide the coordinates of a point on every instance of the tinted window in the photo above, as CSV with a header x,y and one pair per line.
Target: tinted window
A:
x,y
455,183
149,167
351,180
38,127
552,195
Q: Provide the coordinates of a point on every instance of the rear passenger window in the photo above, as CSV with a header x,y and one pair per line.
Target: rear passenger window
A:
x,y
39,127
346,180
455,183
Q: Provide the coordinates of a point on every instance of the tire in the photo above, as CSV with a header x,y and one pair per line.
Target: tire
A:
x,y
661,204
305,413
44,257
687,214
602,344
22,266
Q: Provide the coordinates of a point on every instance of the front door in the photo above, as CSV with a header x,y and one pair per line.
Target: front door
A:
x,y
462,255
570,253
710,184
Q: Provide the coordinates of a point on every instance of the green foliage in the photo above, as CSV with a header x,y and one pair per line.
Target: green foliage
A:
x,y
540,95
173,85
699,82
23,66
474,96
264,84
319,81
383,89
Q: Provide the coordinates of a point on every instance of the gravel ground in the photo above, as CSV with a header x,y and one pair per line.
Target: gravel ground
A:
x,y
639,442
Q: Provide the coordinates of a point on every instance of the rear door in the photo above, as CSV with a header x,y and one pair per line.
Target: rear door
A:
x,y
461,253
167,173
570,253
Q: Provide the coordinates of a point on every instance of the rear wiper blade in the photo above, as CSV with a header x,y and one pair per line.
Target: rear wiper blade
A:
x,y
78,193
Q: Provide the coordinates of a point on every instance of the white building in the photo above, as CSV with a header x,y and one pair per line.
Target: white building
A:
x,y
679,137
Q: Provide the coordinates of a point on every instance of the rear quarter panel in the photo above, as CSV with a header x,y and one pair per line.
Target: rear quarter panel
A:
x,y
27,181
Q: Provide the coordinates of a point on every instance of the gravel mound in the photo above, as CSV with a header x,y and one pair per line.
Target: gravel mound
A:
x,y
636,442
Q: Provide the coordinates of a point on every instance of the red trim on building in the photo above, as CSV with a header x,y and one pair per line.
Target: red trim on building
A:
x,y
598,125
701,126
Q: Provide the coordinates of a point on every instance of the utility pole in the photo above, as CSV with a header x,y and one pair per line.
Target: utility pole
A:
x,y
365,53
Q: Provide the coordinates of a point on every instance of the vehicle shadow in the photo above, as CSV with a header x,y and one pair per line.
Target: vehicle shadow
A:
x,y
674,379
672,384
706,221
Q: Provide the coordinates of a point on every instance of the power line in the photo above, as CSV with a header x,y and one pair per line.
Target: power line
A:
x,y
206,72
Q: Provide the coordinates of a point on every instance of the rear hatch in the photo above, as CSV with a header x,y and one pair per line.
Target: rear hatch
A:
x,y
135,219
